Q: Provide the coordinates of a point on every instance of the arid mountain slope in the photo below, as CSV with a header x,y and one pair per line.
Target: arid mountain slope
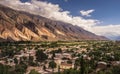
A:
x,y
22,26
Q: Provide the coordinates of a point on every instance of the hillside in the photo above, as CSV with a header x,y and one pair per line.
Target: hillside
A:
x,y
22,26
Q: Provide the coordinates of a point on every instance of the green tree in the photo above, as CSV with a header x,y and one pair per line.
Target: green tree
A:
x,y
52,65
31,58
4,69
53,55
116,69
58,69
77,63
15,60
41,56
44,68
21,68
33,72
82,65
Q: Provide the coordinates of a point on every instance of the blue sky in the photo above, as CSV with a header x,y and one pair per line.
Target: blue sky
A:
x,y
107,11
97,16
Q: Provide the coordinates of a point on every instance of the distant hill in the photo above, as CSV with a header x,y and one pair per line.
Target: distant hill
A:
x,y
21,26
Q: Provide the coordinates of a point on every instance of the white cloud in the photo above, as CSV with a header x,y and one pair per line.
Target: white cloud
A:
x,y
107,29
110,31
49,10
86,13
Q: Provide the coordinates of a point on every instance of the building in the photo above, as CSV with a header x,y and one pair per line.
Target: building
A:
x,y
101,65
66,66
115,63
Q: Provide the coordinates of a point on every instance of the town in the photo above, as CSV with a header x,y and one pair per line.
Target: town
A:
x,y
60,57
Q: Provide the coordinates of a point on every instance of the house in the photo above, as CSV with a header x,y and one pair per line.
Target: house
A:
x,y
115,63
101,65
86,57
2,62
67,55
58,61
58,56
11,62
66,66
31,52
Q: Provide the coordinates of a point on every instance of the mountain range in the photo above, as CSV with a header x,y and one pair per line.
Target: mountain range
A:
x,y
22,26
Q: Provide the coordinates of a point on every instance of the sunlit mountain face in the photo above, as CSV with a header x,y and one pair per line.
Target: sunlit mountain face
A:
x,y
99,17
23,26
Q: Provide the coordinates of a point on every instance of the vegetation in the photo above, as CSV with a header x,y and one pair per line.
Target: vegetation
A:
x,y
33,72
41,56
16,58
52,65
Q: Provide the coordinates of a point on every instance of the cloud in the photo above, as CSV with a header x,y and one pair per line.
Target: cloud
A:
x,y
110,31
86,13
49,10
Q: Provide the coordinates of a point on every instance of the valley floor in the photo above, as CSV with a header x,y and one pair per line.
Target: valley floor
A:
x,y
61,57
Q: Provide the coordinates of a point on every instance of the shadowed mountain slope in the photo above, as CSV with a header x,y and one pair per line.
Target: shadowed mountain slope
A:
x,y
21,26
